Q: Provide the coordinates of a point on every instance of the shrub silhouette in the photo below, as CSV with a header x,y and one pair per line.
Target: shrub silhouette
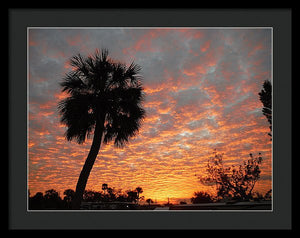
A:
x,y
231,182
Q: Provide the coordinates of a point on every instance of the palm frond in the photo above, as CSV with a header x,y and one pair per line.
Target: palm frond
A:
x,y
78,62
78,115
72,83
133,73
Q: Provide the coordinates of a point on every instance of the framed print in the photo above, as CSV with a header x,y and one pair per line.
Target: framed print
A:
x,y
148,122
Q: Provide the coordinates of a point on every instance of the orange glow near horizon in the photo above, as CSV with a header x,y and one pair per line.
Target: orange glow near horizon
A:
x,y
201,93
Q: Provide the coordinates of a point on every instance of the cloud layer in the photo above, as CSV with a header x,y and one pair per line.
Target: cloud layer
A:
x,y
201,90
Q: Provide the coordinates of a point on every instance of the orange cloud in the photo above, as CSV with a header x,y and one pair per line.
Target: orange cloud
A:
x,y
255,49
205,46
74,40
145,42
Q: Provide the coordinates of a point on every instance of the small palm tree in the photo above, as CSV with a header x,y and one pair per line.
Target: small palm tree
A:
x,y
104,187
104,99
139,190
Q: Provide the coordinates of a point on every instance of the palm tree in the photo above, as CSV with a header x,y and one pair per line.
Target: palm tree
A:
x,y
104,99
265,96
139,190
104,187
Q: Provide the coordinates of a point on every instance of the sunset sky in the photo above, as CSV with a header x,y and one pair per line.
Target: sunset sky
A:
x,y
201,87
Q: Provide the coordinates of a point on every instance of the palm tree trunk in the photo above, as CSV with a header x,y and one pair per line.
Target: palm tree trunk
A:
x,y
88,165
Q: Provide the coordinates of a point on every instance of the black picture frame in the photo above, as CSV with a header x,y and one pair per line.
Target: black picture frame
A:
x,y
279,19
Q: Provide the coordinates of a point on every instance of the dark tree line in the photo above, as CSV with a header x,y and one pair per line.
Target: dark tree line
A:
x,y
49,200
52,200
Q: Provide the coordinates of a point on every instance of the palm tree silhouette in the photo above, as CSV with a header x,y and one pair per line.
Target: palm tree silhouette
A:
x,y
104,187
104,99
139,190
